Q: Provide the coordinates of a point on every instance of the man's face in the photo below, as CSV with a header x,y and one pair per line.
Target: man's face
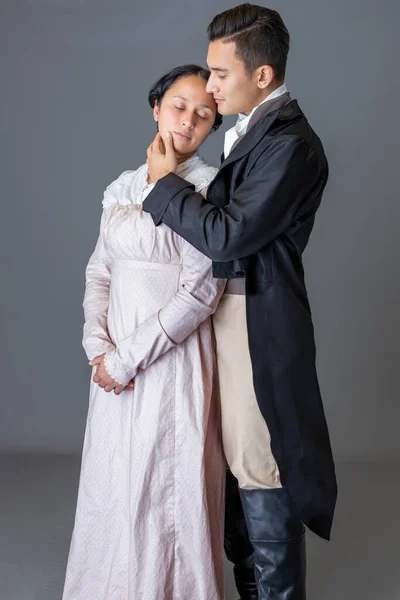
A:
x,y
234,90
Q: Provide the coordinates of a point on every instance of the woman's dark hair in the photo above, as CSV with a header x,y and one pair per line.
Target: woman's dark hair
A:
x,y
158,90
259,33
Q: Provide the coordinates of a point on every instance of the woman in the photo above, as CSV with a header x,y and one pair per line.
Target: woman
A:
x,y
150,505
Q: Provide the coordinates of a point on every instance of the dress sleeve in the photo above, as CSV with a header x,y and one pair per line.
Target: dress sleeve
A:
x,y
196,299
96,339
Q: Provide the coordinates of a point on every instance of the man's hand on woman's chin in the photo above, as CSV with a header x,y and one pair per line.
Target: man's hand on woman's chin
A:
x,y
161,158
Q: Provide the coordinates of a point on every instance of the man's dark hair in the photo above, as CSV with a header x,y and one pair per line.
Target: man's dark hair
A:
x,y
159,89
259,33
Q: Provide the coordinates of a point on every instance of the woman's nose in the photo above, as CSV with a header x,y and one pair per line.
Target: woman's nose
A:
x,y
188,122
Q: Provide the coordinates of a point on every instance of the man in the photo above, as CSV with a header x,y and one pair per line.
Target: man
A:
x,y
254,225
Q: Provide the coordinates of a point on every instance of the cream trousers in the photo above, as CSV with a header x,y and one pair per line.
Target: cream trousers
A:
x,y
246,439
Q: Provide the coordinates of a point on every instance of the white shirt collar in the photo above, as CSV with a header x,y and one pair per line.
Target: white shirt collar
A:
x,y
243,121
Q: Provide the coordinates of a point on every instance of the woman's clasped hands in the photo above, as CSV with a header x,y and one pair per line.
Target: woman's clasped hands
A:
x,y
104,379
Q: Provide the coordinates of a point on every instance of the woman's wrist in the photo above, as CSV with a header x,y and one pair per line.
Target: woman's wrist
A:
x,y
115,368
94,346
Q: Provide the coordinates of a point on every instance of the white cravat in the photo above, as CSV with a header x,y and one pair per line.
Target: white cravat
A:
x,y
243,121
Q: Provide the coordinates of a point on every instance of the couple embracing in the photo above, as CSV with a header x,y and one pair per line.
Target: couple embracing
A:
x,y
214,434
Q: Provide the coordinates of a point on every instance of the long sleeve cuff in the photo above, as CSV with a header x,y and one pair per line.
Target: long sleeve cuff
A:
x,y
138,351
95,347
96,339
161,195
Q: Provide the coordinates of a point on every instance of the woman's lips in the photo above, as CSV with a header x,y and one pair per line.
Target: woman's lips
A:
x,y
182,136
218,100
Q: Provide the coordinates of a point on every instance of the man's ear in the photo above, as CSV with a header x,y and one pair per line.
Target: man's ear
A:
x,y
265,76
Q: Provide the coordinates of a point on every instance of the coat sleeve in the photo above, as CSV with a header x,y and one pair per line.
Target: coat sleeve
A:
x,y
96,339
196,298
258,211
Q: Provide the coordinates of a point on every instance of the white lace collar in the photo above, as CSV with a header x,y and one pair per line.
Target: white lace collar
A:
x,y
131,187
194,169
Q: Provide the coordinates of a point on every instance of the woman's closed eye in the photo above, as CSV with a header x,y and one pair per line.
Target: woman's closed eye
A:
x,y
202,116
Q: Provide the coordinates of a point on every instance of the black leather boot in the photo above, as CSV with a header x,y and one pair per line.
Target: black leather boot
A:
x,y
238,548
278,539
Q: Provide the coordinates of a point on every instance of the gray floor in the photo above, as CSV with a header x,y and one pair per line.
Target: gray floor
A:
x,y
37,503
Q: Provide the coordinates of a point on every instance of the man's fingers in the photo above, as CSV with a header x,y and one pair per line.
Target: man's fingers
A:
x,y
96,378
158,145
118,390
168,143
158,142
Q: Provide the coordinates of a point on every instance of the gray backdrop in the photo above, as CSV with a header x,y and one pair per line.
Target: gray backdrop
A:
x,y
74,79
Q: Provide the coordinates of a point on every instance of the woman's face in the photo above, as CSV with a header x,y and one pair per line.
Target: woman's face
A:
x,y
188,112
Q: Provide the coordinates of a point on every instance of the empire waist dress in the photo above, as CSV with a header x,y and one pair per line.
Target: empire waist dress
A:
x,y
149,517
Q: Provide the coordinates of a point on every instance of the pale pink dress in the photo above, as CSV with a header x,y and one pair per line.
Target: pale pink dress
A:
x,y
149,518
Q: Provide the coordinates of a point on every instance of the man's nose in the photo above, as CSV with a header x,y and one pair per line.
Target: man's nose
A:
x,y
211,87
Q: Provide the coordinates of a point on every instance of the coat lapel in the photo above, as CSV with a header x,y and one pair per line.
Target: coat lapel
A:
x,y
260,123
264,117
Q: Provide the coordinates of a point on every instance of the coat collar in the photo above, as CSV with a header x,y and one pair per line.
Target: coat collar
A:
x,y
282,108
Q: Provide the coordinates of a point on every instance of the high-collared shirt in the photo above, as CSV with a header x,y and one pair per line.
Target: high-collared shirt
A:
x,y
243,121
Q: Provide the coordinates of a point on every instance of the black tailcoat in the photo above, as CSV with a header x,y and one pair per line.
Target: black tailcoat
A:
x,y
256,221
